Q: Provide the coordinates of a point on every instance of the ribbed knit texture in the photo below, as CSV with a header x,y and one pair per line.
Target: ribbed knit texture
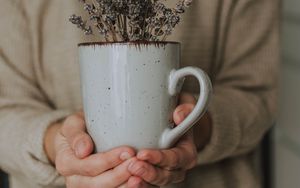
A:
x,y
236,42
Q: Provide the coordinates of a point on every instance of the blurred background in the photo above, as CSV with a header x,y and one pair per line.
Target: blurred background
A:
x,y
281,147
286,135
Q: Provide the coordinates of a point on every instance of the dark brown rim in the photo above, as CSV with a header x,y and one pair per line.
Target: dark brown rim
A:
x,y
129,43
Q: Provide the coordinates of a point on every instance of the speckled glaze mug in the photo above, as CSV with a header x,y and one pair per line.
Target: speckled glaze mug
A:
x,y
130,92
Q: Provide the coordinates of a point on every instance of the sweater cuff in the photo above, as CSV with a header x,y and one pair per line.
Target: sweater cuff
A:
x,y
43,171
226,133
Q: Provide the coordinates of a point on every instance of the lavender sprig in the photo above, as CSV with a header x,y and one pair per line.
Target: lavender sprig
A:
x,y
77,20
130,20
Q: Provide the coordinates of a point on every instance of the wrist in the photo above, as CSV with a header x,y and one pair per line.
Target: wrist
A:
x,y
202,131
49,141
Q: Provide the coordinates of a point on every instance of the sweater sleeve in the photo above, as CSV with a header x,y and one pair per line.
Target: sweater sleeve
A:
x,y
243,105
25,112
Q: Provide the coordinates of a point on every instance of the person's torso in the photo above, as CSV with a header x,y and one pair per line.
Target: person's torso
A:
x,y
55,63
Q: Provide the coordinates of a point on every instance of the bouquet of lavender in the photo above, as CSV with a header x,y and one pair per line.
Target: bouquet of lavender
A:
x,y
130,20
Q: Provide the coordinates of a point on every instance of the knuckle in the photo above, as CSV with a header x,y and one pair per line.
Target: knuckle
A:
x,y
193,160
90,171
194,151
108,160
158,156
81,137
74,120
153,176
175,160
191,164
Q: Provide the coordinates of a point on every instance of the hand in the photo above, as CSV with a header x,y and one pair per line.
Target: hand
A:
x,y
162,167
69,147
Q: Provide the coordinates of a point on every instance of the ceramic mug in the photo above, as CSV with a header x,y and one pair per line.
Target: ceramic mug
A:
x,y
130,91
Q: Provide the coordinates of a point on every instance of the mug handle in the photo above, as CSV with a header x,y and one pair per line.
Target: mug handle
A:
x,y
171,135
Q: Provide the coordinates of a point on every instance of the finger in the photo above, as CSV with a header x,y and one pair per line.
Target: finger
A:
x,y
137,182
184,155
110,179
186,98
154,175
75,132
134,182
181,112
94,164
116,176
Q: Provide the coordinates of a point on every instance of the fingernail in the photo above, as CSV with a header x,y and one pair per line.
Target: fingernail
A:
x,y
142,156
80,148
125,156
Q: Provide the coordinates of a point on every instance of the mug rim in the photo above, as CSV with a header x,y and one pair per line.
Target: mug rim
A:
x,y
128,43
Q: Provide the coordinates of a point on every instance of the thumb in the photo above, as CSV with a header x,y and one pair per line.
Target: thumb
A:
x,y
74,131
181,112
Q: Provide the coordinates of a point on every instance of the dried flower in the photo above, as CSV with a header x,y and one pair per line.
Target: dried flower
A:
x,y
130,20
77,20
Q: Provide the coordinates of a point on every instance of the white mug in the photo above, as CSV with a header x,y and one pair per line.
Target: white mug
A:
x,y
130,92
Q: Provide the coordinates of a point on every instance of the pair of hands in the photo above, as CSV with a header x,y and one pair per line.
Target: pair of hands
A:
x,y
70,148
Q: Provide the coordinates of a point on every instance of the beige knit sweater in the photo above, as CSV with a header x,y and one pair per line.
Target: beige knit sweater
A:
x,y
235,41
